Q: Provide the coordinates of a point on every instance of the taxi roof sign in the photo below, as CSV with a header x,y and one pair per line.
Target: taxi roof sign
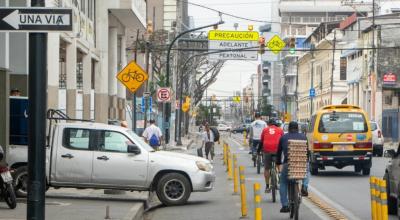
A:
x,y
132,76
233,35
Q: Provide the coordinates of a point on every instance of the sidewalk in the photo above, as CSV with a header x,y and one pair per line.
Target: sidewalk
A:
x,y
85,204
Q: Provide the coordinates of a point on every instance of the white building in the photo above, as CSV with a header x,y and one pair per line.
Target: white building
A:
x,y
82,65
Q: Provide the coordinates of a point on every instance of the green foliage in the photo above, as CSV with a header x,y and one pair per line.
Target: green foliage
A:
x,y
204,114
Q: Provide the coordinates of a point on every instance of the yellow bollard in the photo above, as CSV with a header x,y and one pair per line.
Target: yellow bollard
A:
x,y
257,202
229,165
378,200
224,154
235,175
243,198
244,138
372,181
384,202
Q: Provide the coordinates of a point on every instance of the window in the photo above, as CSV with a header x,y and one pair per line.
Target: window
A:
x,y
75,138
388,100
374,126
113,142
341,122
79,75
343,68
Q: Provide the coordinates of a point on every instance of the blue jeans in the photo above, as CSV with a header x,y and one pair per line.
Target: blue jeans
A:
x,y
254,146
283,185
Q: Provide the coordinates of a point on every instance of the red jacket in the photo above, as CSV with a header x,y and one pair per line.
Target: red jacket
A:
x,y
270,138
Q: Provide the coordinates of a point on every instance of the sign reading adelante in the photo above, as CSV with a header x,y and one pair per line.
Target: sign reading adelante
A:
x,y
233,35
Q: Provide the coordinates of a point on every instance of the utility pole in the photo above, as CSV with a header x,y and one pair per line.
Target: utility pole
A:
x,y
147,55
134,118
312,78
37,122
297,85
333,64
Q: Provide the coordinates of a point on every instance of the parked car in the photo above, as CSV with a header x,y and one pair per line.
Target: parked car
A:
x,y
392,177
102,156
224,127
377,139
241,129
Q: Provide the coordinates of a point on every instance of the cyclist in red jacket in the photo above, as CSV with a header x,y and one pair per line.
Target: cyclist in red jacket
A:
x,y
269,145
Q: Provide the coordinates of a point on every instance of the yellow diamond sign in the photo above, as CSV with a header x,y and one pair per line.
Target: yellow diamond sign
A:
x,y
132,76
276,44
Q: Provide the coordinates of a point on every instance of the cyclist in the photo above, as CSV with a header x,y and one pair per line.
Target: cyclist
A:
x,y
256,128
282,159
269,144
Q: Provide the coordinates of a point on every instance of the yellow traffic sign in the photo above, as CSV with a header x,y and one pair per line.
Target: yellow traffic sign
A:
x,y
233,35
132,76
276,44
236,99
185,107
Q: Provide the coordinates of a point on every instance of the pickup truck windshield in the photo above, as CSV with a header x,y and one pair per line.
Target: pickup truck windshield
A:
x,y
342,122
140,140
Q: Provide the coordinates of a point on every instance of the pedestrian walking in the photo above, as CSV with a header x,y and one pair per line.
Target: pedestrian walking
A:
x,y
153,135
208,142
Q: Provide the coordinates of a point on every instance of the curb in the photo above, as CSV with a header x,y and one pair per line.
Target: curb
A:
x,y
135,213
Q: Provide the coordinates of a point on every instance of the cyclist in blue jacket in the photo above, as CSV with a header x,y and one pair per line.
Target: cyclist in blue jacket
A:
x,y
282,160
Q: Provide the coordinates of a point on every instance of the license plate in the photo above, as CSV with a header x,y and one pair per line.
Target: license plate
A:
x,y
6,176
343,147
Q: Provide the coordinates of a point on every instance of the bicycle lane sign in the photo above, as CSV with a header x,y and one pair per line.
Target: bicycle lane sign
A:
x,y
132,76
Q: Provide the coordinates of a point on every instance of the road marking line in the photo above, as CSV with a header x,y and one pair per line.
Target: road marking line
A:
x,y
332,208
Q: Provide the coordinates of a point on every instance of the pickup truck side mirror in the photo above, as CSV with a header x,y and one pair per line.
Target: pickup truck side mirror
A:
x,y
134,149
390,153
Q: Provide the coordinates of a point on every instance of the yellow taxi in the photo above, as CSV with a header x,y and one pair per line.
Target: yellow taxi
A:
x,y
339,136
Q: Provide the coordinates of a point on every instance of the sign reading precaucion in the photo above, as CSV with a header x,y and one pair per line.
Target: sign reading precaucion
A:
x,y
242,44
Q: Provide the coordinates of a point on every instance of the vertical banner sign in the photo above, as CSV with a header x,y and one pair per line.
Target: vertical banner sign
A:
x,y
150,104
143,104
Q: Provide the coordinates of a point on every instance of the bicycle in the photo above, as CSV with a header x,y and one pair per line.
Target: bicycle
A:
x,y
294,198
274,179
132,75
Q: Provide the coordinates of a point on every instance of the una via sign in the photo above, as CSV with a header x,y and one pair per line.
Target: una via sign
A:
x,y
35,19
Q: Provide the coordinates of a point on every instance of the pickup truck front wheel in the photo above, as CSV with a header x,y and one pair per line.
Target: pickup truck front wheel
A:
x,y
21,181
173,189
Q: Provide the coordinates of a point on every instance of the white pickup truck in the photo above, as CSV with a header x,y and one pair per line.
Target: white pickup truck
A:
x,y
94,155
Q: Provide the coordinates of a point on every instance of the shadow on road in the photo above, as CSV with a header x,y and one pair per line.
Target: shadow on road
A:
x,y
339,174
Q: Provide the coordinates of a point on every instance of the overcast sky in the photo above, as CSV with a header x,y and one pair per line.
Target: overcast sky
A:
x,y
235,74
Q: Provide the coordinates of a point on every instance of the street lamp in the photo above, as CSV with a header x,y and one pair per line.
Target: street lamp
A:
x,y
167,113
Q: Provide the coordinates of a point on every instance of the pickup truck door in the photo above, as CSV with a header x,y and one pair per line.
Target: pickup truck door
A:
x,y
114,166
72,163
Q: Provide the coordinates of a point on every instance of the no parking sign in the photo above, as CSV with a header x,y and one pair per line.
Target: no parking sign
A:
x,y
164,94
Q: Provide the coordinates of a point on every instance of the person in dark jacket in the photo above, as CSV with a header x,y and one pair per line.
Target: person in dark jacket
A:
x,y
282,160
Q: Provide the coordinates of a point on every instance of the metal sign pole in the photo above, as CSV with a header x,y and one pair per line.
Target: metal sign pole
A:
x,y
37,122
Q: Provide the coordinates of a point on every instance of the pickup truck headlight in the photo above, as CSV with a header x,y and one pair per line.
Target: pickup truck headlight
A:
x,y
204,166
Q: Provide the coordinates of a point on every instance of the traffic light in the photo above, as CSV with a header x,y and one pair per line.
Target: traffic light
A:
x,y
261,42
292,45
149,27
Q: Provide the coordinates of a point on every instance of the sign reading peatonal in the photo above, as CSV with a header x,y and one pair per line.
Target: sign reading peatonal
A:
x,y
35,19
233,40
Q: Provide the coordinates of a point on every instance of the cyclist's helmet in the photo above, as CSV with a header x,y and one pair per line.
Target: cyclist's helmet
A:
x,y
273,121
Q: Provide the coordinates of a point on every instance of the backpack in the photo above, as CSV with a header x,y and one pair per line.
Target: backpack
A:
x,y
154,142
215,133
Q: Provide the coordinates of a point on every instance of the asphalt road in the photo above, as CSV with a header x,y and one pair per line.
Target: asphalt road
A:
x,y
221,204
345,190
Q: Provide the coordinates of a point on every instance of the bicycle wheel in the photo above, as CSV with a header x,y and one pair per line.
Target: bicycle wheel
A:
x,y
258,164
273,184
295,202
254,158
139,77
126,77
